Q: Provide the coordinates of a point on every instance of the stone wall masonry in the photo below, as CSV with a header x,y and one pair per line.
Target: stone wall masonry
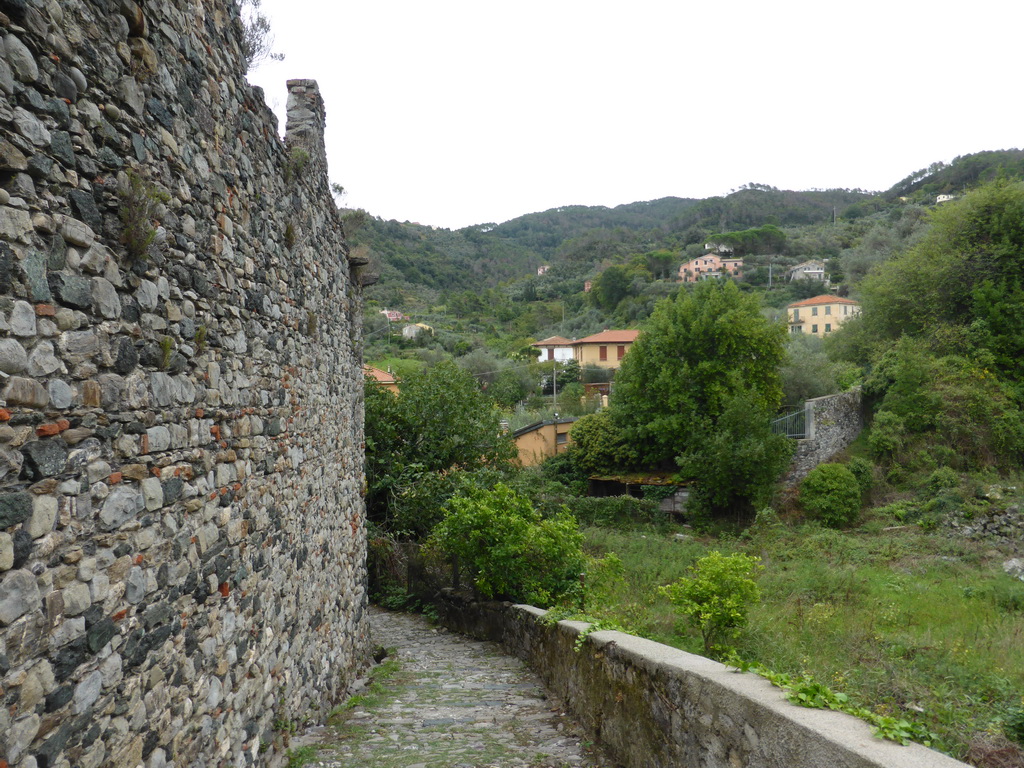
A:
x,y
652,706
181,519
833,422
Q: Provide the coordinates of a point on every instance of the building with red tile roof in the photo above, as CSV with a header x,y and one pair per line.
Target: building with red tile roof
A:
x,y
385,379
820,315
605,349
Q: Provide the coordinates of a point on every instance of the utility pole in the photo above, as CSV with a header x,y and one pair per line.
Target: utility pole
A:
x,y
554,386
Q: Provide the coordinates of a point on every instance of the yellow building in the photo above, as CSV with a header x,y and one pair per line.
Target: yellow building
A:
x,y
821,315
542,440
605,349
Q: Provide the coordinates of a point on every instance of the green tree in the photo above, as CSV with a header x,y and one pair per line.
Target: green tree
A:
x,y
699,351
611,287
660,264
440,422
967,271
736,461
509,549
599,445
717,596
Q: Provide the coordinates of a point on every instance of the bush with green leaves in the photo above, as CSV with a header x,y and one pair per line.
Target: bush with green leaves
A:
x,y
925,400
508,548
716,596
830,493
864,471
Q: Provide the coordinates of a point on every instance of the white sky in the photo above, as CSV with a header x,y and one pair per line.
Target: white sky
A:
x,y
459,112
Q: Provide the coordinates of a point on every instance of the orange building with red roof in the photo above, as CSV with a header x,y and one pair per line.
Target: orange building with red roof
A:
x,y
820,315
605,349
385,379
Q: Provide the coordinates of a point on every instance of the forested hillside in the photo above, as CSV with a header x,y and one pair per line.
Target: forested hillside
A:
x,y
479,289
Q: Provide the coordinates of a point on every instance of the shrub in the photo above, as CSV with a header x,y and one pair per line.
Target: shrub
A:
x,y
942,478
864,471
887,435
831,494
1013,724
717,595
510,551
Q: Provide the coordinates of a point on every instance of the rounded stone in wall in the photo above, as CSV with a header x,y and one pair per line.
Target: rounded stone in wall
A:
x,y
13,357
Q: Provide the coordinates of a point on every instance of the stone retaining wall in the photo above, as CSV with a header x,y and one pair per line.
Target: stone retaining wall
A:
x,y
653,706
181,522
833,422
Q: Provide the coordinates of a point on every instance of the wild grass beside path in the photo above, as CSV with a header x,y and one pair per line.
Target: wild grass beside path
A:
x,y
906,623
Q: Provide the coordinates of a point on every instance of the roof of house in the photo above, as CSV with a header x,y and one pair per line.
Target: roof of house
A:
x,y
381,377
823,299
538,424
609,337
552,341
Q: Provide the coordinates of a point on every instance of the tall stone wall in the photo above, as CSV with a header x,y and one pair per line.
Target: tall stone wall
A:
x,y
181,517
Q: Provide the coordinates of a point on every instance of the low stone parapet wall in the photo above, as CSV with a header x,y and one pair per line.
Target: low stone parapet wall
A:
x,y
650,705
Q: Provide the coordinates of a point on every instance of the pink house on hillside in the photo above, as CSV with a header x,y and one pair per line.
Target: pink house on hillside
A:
x,y
710,265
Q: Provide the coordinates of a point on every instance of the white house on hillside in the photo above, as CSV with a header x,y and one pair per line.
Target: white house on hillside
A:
x,y
554,348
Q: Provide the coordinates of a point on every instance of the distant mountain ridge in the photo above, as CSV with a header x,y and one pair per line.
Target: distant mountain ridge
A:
x,y
420,264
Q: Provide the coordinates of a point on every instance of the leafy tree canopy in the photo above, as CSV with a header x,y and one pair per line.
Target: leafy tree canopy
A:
x,y
696,353
966,273
438,423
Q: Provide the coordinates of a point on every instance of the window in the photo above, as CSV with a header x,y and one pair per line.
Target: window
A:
x,y
621,351
602,353
828,327
561,438
845,308
796,315
814,311
814,329
798,329
828,310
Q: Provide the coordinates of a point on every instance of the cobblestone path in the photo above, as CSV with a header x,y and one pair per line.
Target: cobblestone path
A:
x,y
442,700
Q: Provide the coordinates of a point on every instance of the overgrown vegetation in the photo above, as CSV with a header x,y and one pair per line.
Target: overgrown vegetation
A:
x,y
509,550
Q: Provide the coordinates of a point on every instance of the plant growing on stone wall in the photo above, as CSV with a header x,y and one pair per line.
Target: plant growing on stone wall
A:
x,y
310,323
297,161
717,596
200,339
166,351
289,234
139,204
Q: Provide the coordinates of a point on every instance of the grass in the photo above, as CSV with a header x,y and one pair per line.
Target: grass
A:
x,y
302,755
377,693
908,624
